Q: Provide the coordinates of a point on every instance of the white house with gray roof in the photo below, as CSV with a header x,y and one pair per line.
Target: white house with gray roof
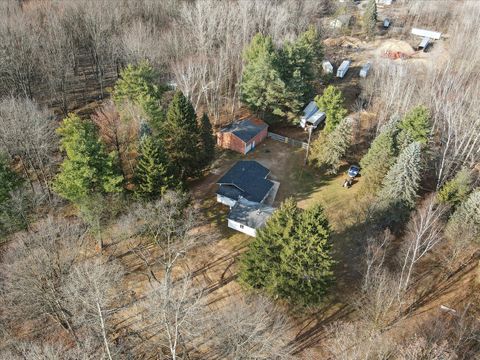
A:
x,y
248,216
245,189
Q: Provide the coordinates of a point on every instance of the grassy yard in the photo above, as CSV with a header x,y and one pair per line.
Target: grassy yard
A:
x,y
307,185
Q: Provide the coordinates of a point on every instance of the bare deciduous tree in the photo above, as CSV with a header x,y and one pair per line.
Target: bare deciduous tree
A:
x,y
27,135
424,232
173,316
250,328
170,224
353,341
45,278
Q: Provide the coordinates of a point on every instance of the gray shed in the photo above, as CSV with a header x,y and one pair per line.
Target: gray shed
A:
x,y
424,44
365,70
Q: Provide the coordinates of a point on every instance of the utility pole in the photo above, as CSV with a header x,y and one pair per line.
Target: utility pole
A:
x,y
310,129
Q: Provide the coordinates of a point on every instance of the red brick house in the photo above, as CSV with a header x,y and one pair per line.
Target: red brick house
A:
x,y
242,136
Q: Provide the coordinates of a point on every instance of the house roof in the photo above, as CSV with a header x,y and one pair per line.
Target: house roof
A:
x,y
251,214
245,130
247,179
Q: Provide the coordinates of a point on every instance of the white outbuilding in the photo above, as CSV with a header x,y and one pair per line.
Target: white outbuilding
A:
x,y
327,67
343,68
365,70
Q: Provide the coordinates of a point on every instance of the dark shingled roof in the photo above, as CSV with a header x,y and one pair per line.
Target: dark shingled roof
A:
x,y
245,129
251,214
246,179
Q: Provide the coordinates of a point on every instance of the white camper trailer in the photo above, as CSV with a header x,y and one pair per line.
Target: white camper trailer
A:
x,y
327,67
365,70
427,33
343,68
312,116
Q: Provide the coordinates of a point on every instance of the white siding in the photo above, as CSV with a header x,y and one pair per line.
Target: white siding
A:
x,y
225,200
242,228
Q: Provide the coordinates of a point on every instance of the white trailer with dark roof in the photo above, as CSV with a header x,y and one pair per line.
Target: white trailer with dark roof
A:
x,y
343,68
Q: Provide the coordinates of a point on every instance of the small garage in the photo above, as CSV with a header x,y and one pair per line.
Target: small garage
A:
x,y
242,136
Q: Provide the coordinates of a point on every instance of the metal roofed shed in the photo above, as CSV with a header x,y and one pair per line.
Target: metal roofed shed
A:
x,y
312,116
246,179
343,68
427,33
424,44
386,23
247,216
365,70
327,67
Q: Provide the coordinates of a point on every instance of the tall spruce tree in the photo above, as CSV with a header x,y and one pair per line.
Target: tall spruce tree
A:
x,y
9,180
15,200
401,184
415,127
207,140
328,150
152,178
181,138
370,17
465,221
305,269
87,169
137,85
264,251
378,160
261,83
456,190
300,62
291,256
332,103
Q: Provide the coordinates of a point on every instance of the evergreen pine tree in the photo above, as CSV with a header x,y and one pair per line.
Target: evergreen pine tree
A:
x,y
299,64
332,103
261,83
137,85
88,169
455,191
415,127
305,270
263,252
152,178
181,138
9,180
328,150
15,200
401,184
291,255
370,17
207,140
378,160
465,221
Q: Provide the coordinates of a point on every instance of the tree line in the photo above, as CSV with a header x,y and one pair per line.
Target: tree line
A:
x,y
66,55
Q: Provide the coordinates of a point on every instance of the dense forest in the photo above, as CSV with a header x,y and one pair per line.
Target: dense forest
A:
x,y
112,243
